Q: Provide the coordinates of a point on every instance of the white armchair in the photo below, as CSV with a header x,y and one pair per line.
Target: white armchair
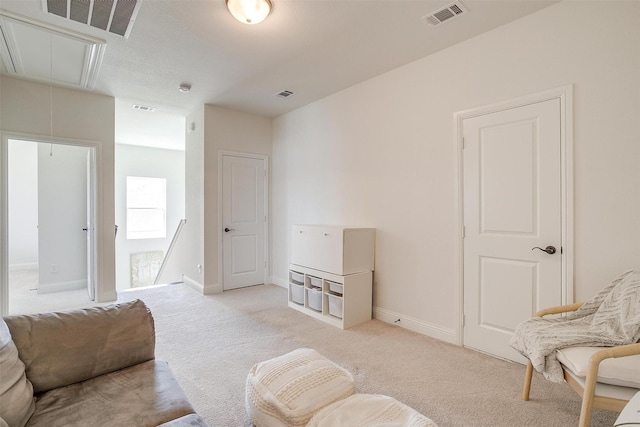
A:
x,y
606,377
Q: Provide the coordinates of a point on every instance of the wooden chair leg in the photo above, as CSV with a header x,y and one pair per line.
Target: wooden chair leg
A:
x,y
527,381
585,411
587,398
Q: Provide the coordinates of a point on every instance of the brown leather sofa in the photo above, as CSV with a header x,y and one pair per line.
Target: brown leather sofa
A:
x,y
96,367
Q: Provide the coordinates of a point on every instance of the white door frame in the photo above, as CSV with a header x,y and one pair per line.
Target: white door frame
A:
x,y
96,146
91,224
265,160
565,95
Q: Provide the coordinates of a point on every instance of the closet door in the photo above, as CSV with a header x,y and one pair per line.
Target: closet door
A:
x,y
512,222
244,221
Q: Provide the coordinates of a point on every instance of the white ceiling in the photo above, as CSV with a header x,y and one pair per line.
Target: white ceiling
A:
x,y
160,129
311,47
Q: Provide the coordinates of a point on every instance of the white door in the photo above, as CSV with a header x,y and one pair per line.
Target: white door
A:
x,y
244,221
90,227
512,205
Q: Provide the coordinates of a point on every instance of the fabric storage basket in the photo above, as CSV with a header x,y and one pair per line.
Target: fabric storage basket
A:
x,y
297,277
297,293
336,288
335,305
314,298
315,281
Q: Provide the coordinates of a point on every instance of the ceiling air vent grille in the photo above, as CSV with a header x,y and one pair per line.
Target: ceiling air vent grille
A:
x,y
451,11
144,108
284,94
114,16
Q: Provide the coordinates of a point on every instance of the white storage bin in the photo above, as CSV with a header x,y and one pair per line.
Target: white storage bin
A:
x,y
297,277
297,293
335,287
315,281
314,298
335,305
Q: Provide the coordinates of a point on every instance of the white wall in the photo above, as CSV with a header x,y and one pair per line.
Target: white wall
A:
x,y
193,232
232,131
216,129
23,205
382,153
34,109
62,215
147,162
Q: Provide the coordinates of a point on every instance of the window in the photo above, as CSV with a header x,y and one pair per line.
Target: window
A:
x,y
146,208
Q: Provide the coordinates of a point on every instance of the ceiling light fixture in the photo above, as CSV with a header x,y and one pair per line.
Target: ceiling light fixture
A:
x,y
249,11
184,87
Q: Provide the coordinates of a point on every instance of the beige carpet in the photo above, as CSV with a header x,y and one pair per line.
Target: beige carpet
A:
x,y
211,342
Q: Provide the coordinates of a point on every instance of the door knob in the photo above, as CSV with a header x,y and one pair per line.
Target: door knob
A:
x,y
549,249
227,229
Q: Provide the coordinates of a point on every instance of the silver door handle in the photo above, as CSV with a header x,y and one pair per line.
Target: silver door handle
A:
x,y
549,249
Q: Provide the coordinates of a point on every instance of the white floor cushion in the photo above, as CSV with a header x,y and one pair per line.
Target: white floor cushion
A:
x,y
369,410
290,389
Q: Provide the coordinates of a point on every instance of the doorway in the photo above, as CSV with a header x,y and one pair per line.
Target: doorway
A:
x,y
149,175
244,220
515,216
50,218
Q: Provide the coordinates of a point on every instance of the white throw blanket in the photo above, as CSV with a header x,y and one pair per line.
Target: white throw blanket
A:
x,y
609,319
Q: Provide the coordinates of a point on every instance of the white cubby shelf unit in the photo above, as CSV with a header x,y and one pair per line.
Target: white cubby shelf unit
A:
x,y
345,300
331,273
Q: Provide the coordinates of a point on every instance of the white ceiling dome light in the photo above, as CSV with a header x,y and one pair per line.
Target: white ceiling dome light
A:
x,y
249,11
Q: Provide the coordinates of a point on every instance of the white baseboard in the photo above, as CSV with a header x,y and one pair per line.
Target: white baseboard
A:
x,y
204,290
192,283
283,283
419,326
72,285
215,288
434,331
23,266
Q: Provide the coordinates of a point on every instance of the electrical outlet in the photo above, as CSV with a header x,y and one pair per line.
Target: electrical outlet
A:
x,y
53,268
199,268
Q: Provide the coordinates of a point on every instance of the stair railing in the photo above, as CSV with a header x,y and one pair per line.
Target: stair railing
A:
x,y
170,250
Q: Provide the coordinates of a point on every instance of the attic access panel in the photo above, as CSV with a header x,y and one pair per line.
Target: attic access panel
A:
x,y
114,16
49,54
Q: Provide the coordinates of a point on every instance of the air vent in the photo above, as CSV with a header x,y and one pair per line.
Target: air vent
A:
x,y
284,94
451,11
144,108
114,16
